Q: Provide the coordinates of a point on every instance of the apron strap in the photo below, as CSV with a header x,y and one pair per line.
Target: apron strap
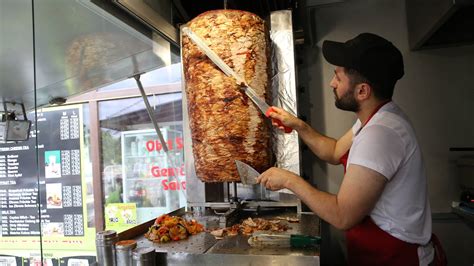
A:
x,y
440,258
345,157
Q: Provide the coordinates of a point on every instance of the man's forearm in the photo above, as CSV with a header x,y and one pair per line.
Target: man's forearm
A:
x,y
323,146
323,204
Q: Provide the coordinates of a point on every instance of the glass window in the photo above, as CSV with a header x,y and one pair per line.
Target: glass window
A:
x,y
52,171
47,212
140,180
86,168
20,199
164,75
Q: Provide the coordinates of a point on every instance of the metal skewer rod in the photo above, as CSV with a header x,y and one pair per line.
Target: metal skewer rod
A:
x,y
235,190
150,113
227,185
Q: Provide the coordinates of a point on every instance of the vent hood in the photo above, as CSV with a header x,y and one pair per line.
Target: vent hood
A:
x,y
439,23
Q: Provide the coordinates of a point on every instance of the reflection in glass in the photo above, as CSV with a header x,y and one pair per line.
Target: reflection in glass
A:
x,y
139,178
164,75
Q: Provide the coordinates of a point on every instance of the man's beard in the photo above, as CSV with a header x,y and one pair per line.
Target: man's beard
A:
x,y
347,101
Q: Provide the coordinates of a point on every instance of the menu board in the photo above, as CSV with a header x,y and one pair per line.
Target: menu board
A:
x,y
58,164
41,187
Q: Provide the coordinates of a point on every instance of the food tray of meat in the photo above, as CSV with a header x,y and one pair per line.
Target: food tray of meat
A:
x,y
172,228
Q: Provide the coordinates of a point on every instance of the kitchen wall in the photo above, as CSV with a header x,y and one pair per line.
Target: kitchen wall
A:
x,y
437,92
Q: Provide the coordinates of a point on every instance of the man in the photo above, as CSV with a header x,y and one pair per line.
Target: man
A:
x,y
116,195
382,203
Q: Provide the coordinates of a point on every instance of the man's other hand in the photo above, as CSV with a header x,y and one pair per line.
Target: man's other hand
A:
x,y
276,178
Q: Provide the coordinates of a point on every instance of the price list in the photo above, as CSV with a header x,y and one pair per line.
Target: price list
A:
x,y
58,195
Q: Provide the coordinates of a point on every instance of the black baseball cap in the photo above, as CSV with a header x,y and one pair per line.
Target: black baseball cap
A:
x,y
371,55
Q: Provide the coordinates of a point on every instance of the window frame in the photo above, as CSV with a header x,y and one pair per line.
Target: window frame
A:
x,y
93,98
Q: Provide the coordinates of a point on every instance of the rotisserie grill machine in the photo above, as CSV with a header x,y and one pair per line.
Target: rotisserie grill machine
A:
x,y
227,199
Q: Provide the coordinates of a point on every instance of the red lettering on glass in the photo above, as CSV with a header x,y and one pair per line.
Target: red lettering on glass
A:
x,y
150,145
173,185
156,171
155,145
164,183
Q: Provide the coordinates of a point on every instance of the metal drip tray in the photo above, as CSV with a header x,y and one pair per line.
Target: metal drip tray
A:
x,y
206,243
308,225
196,244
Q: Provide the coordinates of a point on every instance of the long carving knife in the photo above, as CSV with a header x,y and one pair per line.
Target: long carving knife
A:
x,y
247,174
259,102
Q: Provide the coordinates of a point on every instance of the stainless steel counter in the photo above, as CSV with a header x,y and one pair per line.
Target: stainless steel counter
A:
x,y
197,244
233,259
308,225
204,249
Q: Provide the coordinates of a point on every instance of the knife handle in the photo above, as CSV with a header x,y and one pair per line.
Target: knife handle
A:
x,y
299,241
278,122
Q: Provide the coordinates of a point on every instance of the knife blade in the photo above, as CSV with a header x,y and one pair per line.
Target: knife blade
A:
x,y
259,102
247,174
264,107
213,56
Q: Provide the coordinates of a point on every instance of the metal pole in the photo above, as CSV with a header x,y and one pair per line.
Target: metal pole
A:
x,y
235,190
170,157
150,113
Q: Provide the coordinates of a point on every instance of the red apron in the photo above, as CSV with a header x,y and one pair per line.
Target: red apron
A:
x,y
367,244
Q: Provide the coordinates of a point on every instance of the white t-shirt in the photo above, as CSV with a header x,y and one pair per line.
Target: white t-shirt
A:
x,y
387,144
